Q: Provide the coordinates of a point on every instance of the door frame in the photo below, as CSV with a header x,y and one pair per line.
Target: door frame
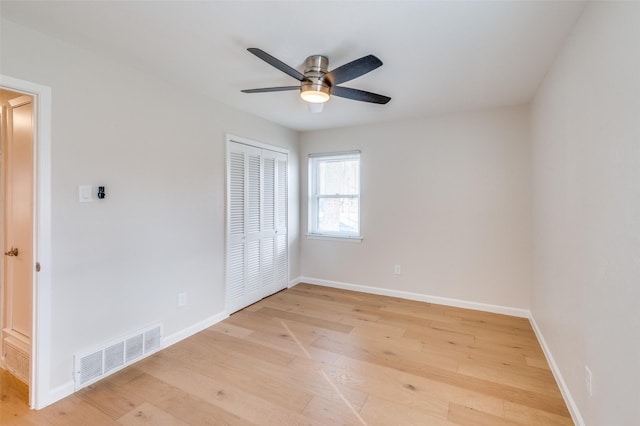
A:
x,y
39,386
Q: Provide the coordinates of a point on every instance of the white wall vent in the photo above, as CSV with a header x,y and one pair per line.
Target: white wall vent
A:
x,y
91,366
16,359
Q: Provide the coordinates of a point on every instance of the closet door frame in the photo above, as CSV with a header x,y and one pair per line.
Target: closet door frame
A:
x,y
233,239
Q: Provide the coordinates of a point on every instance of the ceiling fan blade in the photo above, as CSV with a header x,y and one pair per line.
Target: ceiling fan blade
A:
x,y
353,69
359,95
277,63
271,89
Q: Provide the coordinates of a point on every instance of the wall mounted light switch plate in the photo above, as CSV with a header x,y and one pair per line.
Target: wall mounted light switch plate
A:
x,y
84,194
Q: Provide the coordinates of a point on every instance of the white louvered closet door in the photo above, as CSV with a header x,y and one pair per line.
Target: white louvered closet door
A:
x,y
269,219
281,203
257,262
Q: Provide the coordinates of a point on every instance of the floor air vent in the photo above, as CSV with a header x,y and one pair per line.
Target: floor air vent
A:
x,y
17,360
89,367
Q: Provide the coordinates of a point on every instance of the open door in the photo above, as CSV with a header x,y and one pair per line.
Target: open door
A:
x,y
40,393
17,135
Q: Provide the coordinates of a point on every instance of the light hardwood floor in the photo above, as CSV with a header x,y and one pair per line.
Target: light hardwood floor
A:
x,y
316,355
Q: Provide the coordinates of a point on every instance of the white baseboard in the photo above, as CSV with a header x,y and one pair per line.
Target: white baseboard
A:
x,y
56,394
295,282
193,329
68,388
564,389
505,310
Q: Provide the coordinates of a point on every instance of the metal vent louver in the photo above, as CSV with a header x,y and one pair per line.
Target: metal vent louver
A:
x,y
134,347
152,340
17,360
114,357
90,367
107,359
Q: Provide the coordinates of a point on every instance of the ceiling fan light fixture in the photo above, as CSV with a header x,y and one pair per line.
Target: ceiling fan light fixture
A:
x,y
314,96
315,108
315,92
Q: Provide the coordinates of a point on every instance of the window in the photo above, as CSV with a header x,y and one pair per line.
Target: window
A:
x,y
334,195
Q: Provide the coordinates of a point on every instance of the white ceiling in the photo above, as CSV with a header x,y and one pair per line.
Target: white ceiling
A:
x,y
439,56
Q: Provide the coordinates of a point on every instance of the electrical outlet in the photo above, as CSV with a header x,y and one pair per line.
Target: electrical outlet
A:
x,y
588,380
396,269
182,299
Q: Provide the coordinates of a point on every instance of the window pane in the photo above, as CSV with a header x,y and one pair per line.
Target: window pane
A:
x,y
338,177
338,215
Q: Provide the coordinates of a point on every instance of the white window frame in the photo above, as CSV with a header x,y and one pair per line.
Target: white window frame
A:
x,y
314,196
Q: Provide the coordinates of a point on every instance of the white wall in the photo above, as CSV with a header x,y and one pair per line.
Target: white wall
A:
x,y
118,264
447,198
586,212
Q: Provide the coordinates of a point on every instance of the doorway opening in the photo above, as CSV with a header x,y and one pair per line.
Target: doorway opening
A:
x,y
25,237
17,191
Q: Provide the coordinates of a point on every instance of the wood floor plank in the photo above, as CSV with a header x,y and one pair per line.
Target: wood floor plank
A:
x,y
409,390
234,344
222,393
338,295
231,330
291,300
285,342
540,381
264,386
527,415
347,317
110,400
322,356
305,319
506,350
14,398
71,411
380,412
124,376
284,335
388,384
424,312
383,353
431,335
378,330
198,412
394,318
149,414
465,416
537,362
488,387
322,411
150,389
332,389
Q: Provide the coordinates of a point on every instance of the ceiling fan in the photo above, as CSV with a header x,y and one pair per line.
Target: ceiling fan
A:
x,y
317,84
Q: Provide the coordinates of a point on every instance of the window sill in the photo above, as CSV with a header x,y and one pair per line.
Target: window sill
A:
x,y
334,238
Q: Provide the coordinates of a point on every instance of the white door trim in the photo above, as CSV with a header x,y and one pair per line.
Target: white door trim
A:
x,y
39,388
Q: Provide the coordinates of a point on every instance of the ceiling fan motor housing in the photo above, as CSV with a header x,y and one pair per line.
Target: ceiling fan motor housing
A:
x,y
315,69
